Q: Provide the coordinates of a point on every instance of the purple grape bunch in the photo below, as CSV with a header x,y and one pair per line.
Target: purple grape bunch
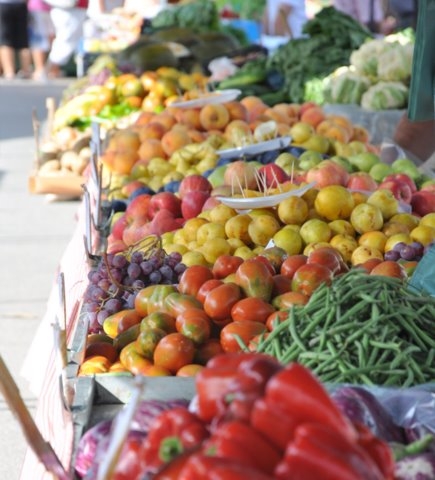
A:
x,y
115,281
405,251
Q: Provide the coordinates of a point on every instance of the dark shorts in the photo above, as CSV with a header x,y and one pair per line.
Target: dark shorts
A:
x,y
14,25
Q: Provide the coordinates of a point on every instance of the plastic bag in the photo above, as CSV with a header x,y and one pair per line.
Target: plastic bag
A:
x,y
423,278
421,105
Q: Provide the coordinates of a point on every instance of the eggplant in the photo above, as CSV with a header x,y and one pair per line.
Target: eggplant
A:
x,y
416,467
360,405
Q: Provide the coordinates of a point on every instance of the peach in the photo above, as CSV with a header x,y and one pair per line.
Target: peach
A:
x,y
272,114
313,116
195,135
237,129
174,140
254,105
126,139
294,109
151,130
214,117
342,121
190,118
237,111
166,119
306,106
360,134
151,148
323,126
144,118
284,109
337,132
119,161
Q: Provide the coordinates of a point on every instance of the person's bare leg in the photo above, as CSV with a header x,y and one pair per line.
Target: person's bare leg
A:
x,y
39,59
416,137
7,59
25,63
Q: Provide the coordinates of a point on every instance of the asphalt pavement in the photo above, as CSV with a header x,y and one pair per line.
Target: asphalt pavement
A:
x,y
34,231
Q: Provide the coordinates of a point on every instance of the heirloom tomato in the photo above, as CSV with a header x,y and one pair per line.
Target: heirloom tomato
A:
x,y
309,277
292,263
244,331
226,265
192,278
251,309
219,301
206,287
176,303
195,324
174,351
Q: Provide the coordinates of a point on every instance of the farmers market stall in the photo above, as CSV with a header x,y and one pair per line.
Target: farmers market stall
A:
x,y
230,232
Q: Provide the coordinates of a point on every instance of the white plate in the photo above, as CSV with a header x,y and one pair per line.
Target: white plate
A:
x,y
255,148
263,202
218,96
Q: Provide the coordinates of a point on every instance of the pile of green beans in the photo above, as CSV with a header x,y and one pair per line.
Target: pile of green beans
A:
x,y
361,329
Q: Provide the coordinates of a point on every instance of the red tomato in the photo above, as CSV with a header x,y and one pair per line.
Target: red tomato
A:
x,y
281,284
192,278
370,264
292,263
175,303
226,265
289,299
245,331
206,287
133,361
174,351
309,277
266,262
255,279
327,256
195,324
130,318
219,301
251,309
189,370
276,318
208,350
253,344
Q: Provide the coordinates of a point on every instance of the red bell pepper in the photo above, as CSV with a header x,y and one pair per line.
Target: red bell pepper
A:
x,y
173,432
320,452
231,382
205,467
275,424
239,441
378,450
300,395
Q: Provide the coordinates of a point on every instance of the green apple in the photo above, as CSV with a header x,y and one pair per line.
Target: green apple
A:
x,y
404,165
301,131
380,170
344,162
287,162
357,146
216,177
309,159
364,161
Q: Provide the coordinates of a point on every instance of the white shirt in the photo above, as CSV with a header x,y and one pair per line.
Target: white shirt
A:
x,y
295,20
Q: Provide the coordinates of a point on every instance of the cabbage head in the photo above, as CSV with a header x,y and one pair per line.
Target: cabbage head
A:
x,y
395,63
385,96
345,86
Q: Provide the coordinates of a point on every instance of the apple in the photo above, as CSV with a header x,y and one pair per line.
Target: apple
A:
x,y
309,159
386,201
428,186
404,165
423,202
380,170
192,203
402,191
164,221
216,177
118,226
361,181
272,175
326,173
130,187
137,209
288,162
115,245
164,200
135,232
364,161
301,131
210,203
344,162
194,182
402,177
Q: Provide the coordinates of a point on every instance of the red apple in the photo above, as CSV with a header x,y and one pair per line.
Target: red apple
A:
x,y
194,183
402,177
164,201
137,209
115,245
210,203
361,181
423,202
135,232
119,226
192,203
131,187
163,221
327,173
272,175
401,190
428,187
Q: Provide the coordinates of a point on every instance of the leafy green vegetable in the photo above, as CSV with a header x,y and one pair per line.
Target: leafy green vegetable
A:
x,y
332,36
385,95
199,15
